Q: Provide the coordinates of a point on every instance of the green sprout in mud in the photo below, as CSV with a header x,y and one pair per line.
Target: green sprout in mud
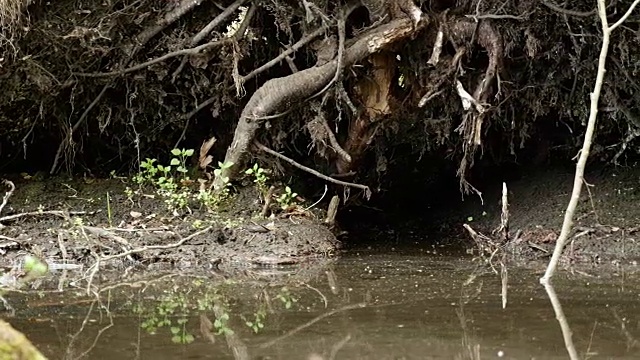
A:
x,y
34,267
287,198
259,175
221,167
166,309
180,334
221,324
287,299
180,159
257,323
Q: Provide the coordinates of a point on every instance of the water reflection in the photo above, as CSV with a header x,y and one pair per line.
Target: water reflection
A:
x,y
364,306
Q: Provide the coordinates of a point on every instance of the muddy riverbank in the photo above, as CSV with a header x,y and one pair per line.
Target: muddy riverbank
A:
x,y
73,223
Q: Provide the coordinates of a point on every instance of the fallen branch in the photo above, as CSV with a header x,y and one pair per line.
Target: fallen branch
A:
x,y
367,191
588,138
96,266
60,213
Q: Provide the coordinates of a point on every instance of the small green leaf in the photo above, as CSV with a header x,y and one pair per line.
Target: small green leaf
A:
x,y
175,330
188,339
470,219
176,339
175,161
188,152
175,152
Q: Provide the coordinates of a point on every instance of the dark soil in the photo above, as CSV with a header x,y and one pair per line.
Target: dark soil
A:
x,y
606,224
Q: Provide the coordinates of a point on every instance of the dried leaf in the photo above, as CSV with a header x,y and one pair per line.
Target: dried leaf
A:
x,y
205,159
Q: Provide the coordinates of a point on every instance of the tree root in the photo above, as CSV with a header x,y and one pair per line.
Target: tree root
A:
x,y
277,93
367,191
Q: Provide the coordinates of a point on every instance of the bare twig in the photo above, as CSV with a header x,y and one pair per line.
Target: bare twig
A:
x,y
93,270
215,22
365,188
588,138
8,194
62,214
562,320
333,141
557,8
206,31
162,58
295,47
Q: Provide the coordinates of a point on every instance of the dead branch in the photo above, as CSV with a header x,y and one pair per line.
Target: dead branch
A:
x,y
367,191
8,194
59,213
295,47
93,270
333,141
179,11
567,224
277,93
215,22
557,8
162,58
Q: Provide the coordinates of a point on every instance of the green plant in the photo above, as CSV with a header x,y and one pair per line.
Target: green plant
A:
x,y
180,334
287,299
287,198
223,166
221,324
180,159
260,176
257,323
169,180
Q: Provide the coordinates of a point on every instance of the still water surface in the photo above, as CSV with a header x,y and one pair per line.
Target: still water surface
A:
x,y
367,305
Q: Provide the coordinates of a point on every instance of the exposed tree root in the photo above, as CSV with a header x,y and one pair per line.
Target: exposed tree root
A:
x,y
279,93
365,188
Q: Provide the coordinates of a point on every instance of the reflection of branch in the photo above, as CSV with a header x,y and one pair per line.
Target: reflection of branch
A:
x,y
311,322
96,266
631,342
69,354
564,325
239,348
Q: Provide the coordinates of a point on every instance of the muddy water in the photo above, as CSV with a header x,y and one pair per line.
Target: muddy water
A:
x,y
398,305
